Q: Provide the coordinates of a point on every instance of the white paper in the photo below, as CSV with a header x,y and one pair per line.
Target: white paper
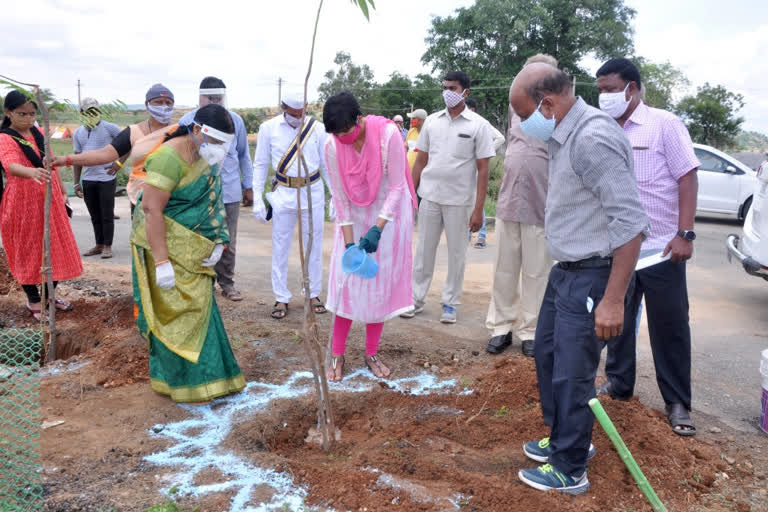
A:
x,y
651,260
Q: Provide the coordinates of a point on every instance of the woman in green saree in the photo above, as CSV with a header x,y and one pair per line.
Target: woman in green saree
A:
x,y
178,235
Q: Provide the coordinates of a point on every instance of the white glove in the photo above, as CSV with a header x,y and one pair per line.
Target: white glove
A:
x,y
164,276
331,211
215,256
259,210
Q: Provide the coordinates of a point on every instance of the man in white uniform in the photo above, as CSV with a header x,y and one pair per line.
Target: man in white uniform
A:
x,y
277,144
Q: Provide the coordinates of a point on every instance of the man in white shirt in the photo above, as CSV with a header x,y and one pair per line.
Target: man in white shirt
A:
x,y
451,177
277,145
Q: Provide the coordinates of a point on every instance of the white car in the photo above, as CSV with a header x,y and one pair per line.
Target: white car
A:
x,y
725,184
751,249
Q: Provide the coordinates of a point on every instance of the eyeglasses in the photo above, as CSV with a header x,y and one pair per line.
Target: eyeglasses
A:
x,y
25,114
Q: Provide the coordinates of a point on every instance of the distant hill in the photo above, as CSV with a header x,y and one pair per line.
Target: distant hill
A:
x,y
752,142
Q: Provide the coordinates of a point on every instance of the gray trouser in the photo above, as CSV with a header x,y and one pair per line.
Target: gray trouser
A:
x,y
225,268
433,219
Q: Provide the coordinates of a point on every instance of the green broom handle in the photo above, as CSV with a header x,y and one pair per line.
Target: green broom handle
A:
x,y
626,456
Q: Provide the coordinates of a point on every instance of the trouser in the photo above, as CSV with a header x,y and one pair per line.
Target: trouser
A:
x,y
99,198
225,268
341,328
33,292
519,279
665,290
433,219
283,223
567,354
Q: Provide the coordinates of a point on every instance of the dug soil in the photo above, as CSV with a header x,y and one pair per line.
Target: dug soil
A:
x,y
458,450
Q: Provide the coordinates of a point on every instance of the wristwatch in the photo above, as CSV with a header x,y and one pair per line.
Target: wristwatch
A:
x,y
687,235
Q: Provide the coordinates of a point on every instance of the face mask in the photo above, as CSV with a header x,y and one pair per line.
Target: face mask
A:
x,y
211,153
349,138
538,126
293,122
452,98
615,104
161,113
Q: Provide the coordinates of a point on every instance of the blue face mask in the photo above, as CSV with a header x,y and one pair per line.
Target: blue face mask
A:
x,y
538,126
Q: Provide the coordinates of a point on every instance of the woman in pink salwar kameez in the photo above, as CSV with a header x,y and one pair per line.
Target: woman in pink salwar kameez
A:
x,y
374,198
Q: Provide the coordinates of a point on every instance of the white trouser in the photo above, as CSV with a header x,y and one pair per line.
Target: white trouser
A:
x,y
521,270
283,224
433,219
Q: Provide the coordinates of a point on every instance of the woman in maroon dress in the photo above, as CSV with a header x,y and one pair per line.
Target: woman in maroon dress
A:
x,y
22,207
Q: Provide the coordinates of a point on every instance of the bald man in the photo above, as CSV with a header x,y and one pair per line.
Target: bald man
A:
x,y
594,225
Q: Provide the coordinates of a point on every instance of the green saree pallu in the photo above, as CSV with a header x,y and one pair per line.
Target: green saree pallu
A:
x,y
190,358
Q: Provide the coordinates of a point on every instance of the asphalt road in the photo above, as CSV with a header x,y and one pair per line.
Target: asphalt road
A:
x,y
728,310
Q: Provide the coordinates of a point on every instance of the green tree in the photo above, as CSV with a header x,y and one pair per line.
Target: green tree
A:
x,y
350,77
661,82
492,39
711,115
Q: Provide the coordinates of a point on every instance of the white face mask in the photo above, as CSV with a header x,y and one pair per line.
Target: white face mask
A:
x,y
293,122
213,153
615,104
452,98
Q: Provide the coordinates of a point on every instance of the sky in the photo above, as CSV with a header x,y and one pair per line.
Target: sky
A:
x,y
118,50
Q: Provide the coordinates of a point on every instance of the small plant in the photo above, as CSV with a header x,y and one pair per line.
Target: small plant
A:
x,y
502,412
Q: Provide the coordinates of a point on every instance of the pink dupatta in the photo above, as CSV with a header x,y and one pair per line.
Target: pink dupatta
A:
x,y
361,180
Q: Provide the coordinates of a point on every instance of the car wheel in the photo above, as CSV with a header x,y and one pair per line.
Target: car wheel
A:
x,y
745,208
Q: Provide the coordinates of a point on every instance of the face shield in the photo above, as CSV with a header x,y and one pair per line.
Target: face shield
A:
x,y
215,145
215,96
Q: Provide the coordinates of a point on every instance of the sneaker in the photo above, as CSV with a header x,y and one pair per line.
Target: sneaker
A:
x,y
449,314
540,450
412,312
548,478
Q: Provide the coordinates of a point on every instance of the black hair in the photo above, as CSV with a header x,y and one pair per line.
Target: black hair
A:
x,y
211,82
458,76
555,81
340,112
14,100
625,68
213,115
472,104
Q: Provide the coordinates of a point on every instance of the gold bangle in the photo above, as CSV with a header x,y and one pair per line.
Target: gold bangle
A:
x,y
119,164
158,263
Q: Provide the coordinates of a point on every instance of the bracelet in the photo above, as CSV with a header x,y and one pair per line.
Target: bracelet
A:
x,y
68,161
119,164
158,263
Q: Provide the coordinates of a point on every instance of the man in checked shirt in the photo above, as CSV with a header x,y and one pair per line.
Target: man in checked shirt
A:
x,y
665,167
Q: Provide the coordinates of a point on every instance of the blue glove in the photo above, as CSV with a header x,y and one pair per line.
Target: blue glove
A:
x,y
370,242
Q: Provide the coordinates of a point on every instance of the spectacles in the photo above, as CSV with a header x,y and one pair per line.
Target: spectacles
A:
x,y
25,114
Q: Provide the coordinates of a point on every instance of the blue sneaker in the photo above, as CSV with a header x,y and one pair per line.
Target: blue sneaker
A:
x,y
540,450
548,478
449,314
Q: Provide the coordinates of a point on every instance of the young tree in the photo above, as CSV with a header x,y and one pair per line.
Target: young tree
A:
x,y
711,115
661,81
350,77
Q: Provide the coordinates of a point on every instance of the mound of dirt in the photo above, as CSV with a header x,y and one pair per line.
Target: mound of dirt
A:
x,y
406,453
7,282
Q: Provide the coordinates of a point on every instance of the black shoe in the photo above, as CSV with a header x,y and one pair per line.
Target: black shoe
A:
x,y
606,388
527,348
499,343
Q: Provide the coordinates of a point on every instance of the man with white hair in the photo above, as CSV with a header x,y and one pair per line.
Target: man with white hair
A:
x,y
277,145
398,119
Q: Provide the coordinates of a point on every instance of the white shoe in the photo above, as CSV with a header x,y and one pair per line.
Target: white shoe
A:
x,y
412,312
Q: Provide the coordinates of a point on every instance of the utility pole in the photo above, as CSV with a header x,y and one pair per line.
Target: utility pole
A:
x,y
279,91
574,84
78,95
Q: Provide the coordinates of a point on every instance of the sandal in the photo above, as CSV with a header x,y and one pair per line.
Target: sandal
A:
x,y
335,372
318,306
37,314
480,244
279,310
93,251
106,253
232,294
680,420
63,305
377,367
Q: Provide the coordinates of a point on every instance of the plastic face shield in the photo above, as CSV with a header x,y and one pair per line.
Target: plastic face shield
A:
x,y
217,137
215,96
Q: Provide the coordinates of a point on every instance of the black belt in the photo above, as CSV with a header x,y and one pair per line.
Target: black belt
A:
x,y
593,262
295,181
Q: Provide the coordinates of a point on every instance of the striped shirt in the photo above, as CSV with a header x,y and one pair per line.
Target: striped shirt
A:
x,y
87,140
593,207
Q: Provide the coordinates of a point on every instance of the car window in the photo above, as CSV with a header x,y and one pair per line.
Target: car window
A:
x,y
710,162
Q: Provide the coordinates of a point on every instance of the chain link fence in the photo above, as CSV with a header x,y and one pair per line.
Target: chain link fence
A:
x,y
21,486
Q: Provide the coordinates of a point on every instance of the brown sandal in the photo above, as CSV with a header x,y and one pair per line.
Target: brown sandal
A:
x,y
375,366
334,368
94,251
279,310
318,306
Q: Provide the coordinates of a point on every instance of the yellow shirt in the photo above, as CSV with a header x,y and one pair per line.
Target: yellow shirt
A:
x,y
413,136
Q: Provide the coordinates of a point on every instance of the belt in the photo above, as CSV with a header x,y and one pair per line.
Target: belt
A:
x,y
296,181
593,262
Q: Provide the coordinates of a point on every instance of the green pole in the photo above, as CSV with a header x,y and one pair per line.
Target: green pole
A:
x,y
626,456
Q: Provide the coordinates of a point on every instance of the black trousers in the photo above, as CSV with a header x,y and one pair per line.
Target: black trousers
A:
x,y
665,289
33,292
100,200
567,355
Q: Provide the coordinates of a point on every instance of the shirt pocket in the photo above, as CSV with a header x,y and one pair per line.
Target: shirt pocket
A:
x,y
463,146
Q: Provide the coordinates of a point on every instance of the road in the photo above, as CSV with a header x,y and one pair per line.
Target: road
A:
x,y
727,307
